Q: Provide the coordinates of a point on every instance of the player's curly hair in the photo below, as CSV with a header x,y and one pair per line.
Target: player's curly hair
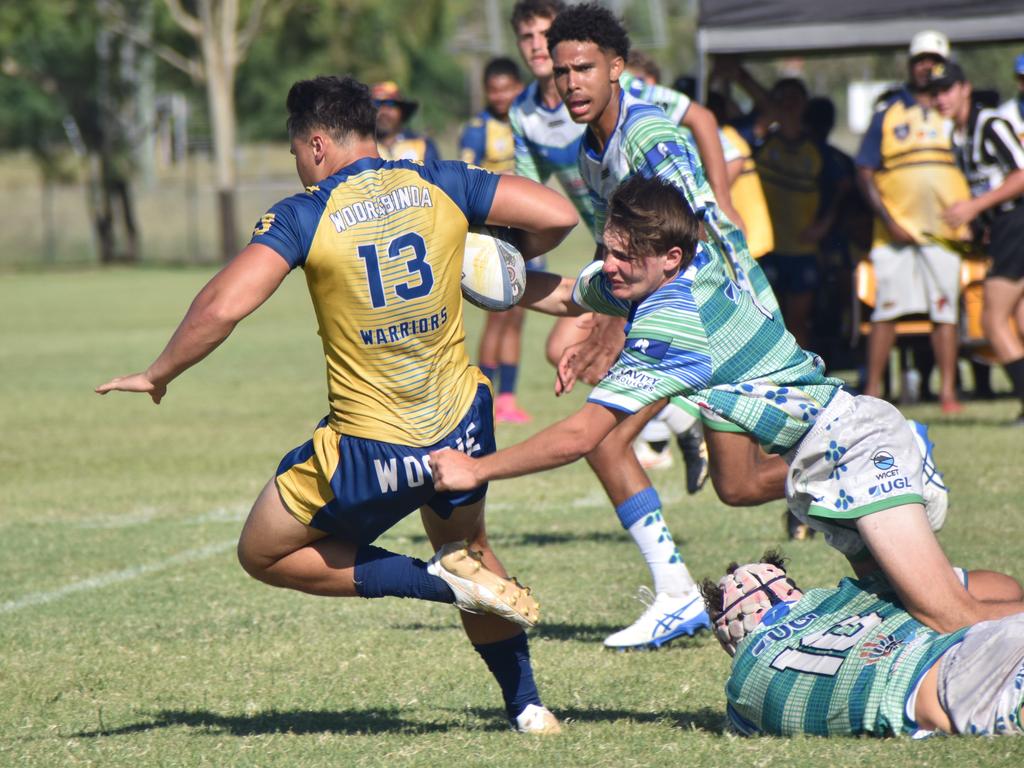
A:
x,y
525,10
339,105
655,216
590,23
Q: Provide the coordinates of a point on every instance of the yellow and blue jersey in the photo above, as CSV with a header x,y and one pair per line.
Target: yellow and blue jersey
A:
x,y
381,243
488,142
910,149
748,196
791,176
410,146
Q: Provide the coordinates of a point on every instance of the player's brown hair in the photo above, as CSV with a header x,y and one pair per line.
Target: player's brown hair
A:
x,y
655,216
525,10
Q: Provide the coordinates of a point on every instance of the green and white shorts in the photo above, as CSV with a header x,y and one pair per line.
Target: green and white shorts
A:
x,y
860,457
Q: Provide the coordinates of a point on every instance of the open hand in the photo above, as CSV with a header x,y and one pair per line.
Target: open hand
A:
x,y
136,382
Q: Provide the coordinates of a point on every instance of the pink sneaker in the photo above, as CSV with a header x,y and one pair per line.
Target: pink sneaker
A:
x,y
507,412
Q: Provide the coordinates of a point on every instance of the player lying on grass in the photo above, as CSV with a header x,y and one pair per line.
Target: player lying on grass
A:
x,y
854,469
381,243
851,660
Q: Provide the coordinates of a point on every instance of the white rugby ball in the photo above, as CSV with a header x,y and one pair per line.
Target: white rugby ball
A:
x,y
493,270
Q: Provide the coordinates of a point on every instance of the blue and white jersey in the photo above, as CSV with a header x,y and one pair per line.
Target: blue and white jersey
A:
x,y
547,143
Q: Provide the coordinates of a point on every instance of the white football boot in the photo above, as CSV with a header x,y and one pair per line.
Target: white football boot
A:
x,y
537,720
480,590
665,619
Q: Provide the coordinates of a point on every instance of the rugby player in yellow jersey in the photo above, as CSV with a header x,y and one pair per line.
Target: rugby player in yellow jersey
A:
x,y
381,244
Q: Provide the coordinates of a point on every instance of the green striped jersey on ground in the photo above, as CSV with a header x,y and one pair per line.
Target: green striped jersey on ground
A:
x,y
646,142
841,662
704,338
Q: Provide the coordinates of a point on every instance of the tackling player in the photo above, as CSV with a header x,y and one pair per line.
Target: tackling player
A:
x,y
851,660
381,245
854,469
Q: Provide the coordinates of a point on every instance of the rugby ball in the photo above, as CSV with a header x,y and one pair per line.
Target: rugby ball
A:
x,y
493,270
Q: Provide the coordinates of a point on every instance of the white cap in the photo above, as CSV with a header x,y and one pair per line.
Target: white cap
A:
x,y
929,42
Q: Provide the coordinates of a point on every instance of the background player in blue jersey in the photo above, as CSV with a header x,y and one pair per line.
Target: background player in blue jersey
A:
x,y
851,660
381,244
487,141
855,472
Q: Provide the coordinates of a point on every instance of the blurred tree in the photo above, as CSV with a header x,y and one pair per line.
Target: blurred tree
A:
x,y
67,83
221,39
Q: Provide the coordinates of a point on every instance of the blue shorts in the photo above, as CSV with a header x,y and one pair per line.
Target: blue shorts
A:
x,y
357,488
791,274
537,264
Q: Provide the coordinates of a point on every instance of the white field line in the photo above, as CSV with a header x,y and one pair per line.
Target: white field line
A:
x,y
115,577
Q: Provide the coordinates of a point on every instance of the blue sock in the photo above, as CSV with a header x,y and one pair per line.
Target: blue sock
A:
x,y
508,378
490,371
379,573
509,662
637,506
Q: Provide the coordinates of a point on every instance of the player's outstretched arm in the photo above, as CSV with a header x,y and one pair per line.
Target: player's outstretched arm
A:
x,y
542,215
902,543
551,294
238,289
562,443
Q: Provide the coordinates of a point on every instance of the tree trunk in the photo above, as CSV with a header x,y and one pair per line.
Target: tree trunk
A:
x,y
218,44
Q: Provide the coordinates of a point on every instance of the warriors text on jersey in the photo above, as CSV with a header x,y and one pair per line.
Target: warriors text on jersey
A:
x,y
841,661
704,338
381,244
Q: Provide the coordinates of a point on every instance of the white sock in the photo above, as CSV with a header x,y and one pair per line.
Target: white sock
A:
x,y
641,517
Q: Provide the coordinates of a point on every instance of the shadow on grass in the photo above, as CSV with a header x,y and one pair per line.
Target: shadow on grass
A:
x,y
545,538
379,721
705,719
298,722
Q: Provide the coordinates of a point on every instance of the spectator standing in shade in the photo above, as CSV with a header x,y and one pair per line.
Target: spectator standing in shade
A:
x,y
909,177
791,165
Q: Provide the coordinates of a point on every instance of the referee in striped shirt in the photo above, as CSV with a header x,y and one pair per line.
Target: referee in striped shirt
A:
x,y
991,156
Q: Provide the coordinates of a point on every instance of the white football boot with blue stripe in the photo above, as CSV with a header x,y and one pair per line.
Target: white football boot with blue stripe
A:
x,y
934,490
665,619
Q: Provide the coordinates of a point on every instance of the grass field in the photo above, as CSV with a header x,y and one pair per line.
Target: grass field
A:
x,y
129,636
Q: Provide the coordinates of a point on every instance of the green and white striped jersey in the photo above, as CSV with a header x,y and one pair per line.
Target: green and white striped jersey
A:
x,y
704,338
840,661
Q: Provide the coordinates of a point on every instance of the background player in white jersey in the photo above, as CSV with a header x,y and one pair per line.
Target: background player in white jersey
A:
x,y
399,379
854,468
851,660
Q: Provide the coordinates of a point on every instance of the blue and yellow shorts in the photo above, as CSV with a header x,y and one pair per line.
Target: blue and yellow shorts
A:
x,y
357,488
